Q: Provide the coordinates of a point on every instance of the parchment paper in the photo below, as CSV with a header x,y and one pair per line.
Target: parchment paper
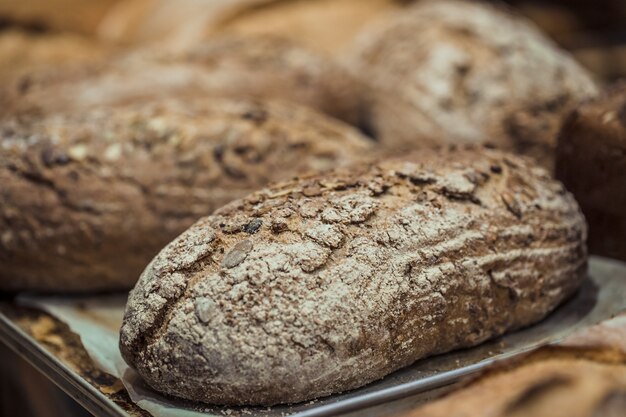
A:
x,y
97,321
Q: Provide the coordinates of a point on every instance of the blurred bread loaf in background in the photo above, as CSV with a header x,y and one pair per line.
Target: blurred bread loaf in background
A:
x,y
78,16
88,198
466,72
591,162
23,51
325,25
582,376
236,66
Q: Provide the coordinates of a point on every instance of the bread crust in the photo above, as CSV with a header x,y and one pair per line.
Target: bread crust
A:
x,y
324,25
23,52
234,66
88,199
324,284
464,72
591,162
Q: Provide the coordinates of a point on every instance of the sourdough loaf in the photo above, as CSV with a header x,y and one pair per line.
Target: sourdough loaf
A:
x,y
88,199
466,72
239,66
591,162
348,276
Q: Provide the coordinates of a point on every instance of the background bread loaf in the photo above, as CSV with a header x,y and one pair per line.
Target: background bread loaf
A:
x,y
321,285
88,199
583,376
466,72
24,51
259,67
591,162
324,25
77,16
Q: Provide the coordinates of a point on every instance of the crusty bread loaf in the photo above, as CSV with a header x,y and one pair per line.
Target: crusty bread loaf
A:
x,y
591,162
88,199
325,25
323,284
260,67
466,72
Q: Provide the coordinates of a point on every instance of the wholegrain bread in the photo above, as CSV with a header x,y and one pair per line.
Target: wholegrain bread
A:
x,y
320,285
466,72
238,66
88,199
591,162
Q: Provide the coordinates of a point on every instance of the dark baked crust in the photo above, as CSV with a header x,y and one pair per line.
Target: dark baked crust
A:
x,y
591,162
242,67
88,199
323,284
447,72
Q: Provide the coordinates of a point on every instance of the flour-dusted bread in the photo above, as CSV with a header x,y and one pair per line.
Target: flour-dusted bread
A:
x,y
88,199
238,66
591,162
466,72
321,285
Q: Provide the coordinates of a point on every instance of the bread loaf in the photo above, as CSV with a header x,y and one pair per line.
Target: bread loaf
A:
x,y
23,51
348,276
325,25
88,199
77,16
568,384
466,72
260,67
591,162
584,376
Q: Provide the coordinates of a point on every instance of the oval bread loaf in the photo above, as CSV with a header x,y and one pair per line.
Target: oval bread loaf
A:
x,y
240,67
466,73
88,199
348,276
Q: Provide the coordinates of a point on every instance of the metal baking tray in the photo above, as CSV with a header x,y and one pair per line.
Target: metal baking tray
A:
x,y
603,295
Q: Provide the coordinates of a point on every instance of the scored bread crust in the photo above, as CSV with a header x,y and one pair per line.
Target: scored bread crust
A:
x,y
263,67
89,198
464,72
323,284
